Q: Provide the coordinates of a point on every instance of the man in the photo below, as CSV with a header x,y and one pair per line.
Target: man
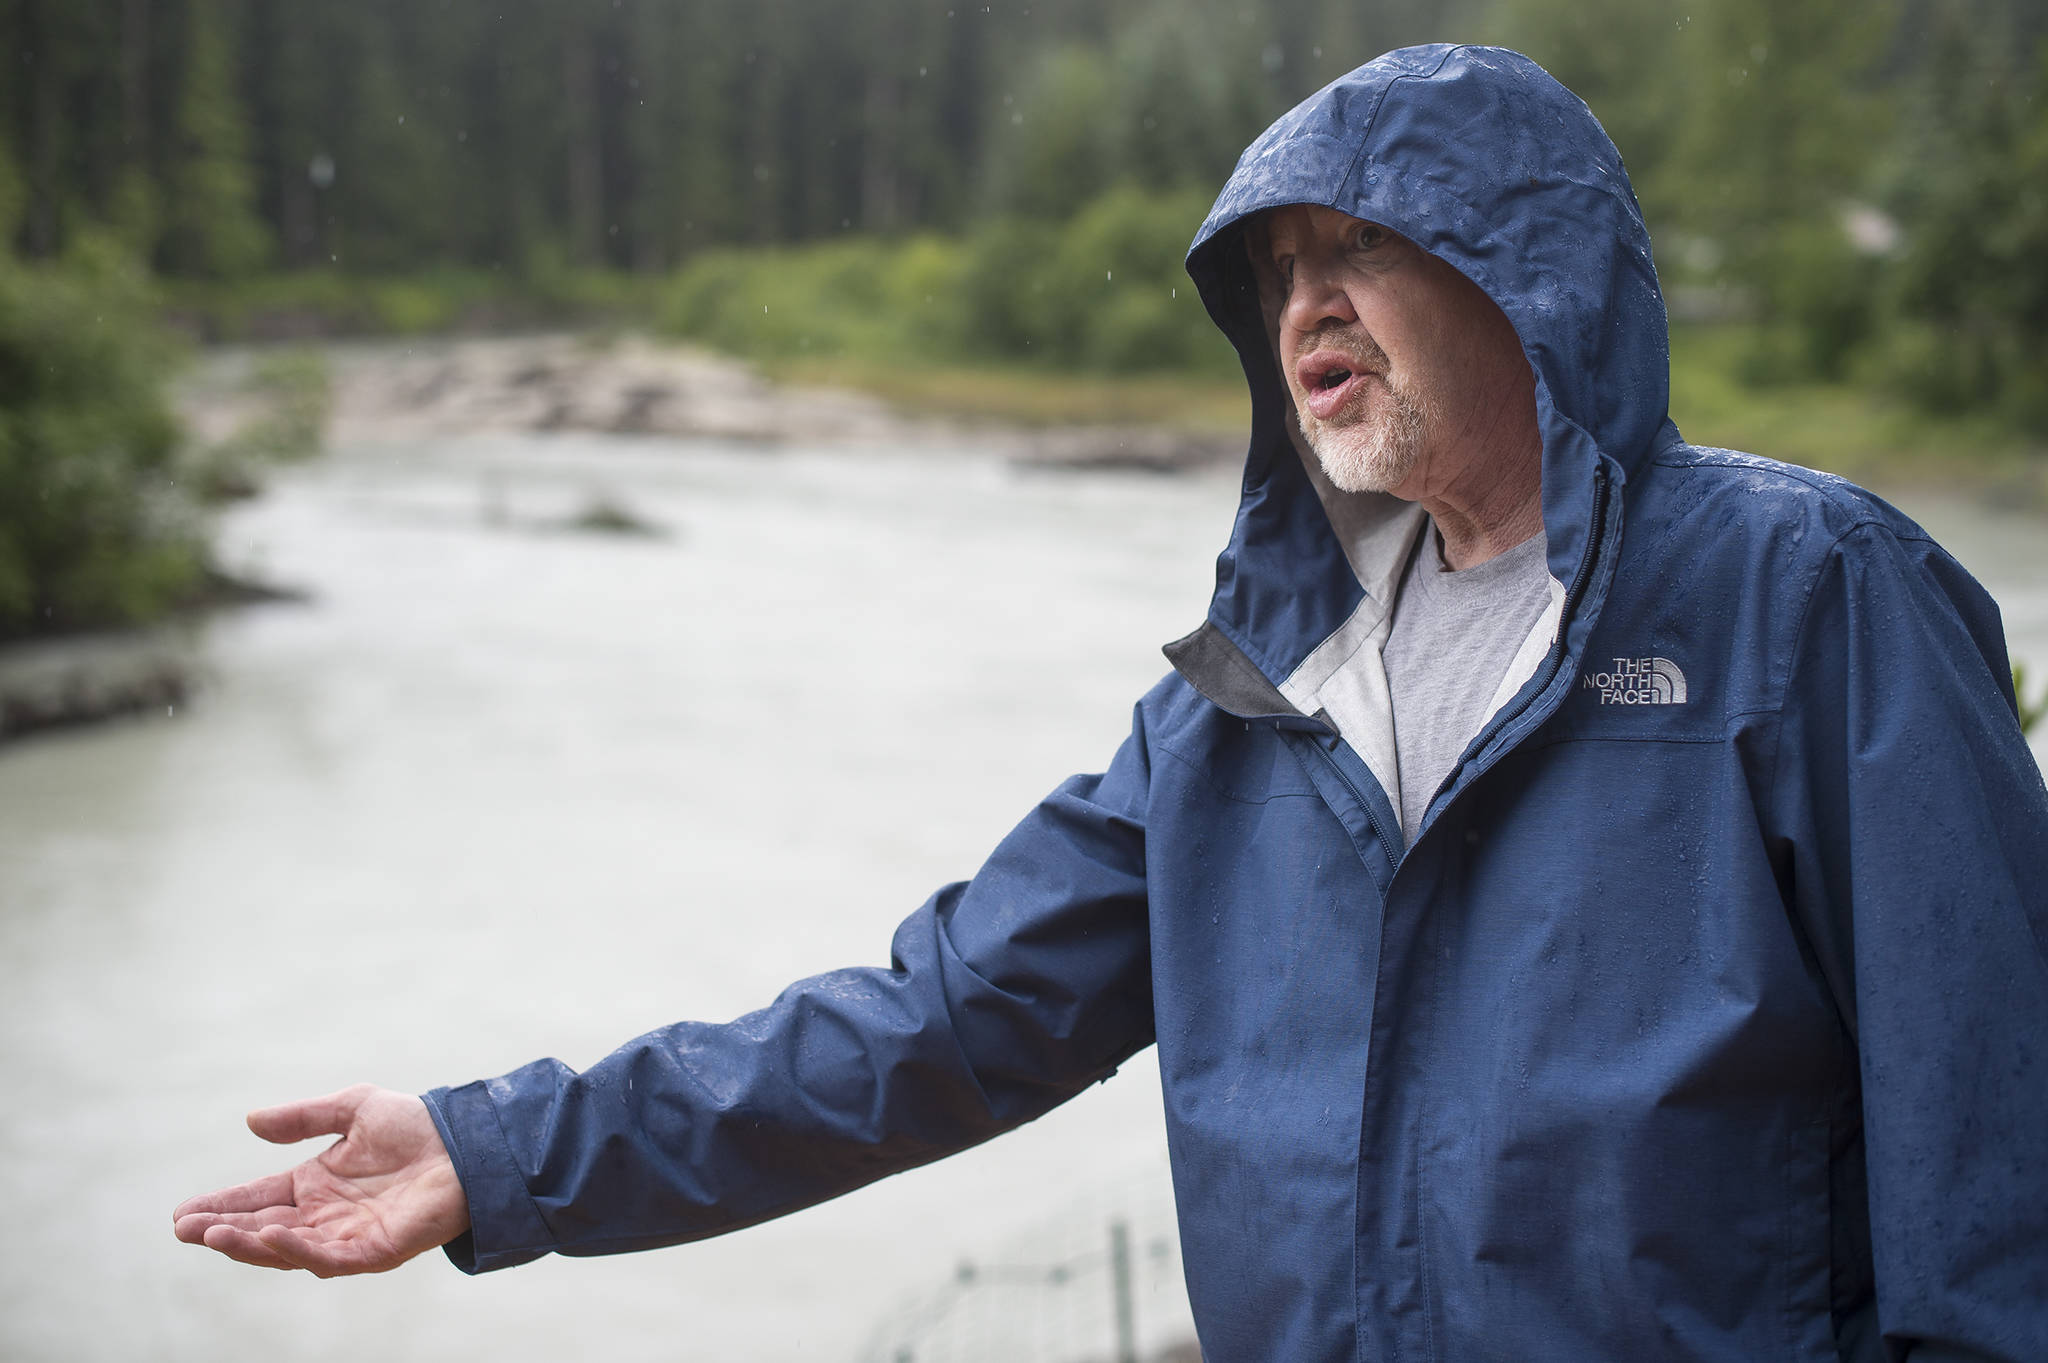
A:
x,y
1637,956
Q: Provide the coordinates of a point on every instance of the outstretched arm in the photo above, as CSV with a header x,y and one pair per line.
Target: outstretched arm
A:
x,y
1004,997
383,1193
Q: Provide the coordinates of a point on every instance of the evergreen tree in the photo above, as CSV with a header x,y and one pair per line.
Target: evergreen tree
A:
x,y
210,222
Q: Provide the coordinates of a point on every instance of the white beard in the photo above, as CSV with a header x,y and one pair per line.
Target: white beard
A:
x,y
1373,454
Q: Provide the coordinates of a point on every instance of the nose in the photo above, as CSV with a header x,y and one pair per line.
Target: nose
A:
x,y
1316,298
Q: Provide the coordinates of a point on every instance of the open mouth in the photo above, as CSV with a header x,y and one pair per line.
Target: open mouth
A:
x,y
1329,380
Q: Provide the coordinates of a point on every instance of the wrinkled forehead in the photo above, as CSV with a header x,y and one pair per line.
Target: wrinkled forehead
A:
x,y
1289,224
1284,230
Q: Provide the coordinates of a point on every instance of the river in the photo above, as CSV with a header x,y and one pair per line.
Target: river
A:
x,y
502,789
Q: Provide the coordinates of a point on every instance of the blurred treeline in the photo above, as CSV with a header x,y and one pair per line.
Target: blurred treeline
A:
x,y
1863,180
1845,192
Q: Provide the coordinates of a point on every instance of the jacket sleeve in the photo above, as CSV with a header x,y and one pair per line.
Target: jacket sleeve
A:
x,y
1005,996
1918,829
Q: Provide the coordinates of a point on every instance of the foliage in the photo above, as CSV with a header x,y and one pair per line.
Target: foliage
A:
x,y
1969,287
210,227
2031,710
290,393
1103,291
90,533
417,167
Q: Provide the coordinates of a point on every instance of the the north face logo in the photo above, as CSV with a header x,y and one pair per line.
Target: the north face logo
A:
x,y
1639,681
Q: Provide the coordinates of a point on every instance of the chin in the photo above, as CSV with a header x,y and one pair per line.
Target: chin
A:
x,y
1378,459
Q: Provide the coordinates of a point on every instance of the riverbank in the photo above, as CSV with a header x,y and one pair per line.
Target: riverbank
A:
x,y
634,385
395,393
426,390
67,681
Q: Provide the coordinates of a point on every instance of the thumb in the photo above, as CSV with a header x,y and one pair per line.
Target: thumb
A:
x,y
330,1115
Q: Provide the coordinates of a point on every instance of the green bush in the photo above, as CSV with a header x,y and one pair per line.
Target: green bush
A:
x,y
1967,293
293,399
2031,710
844,297
1104,291
1818,287
90,531
1122,300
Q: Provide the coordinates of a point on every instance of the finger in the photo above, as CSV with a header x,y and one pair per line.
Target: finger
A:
x,y
302,1248
192,1229
276,1190
244,1248
328,1115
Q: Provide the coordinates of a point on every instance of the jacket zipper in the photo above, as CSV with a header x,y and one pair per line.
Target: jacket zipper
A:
x,y
1571,598
1371,815
1557,650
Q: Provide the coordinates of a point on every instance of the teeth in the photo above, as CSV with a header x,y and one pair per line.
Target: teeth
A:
x,y
1335,377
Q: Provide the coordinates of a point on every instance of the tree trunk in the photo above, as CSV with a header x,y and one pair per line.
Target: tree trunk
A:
x,y
878,142
43,147
585,148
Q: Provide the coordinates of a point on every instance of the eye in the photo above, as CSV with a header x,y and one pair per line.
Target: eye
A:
x,y
1368,236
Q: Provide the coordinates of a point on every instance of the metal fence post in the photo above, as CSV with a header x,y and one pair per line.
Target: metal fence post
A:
x,y
1120,1284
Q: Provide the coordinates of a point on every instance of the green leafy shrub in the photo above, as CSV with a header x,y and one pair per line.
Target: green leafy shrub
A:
x,y
90,532
844,297
292,399
1104,292
1121,299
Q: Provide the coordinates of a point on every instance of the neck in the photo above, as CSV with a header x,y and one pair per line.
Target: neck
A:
x,y
1473,534
1493,499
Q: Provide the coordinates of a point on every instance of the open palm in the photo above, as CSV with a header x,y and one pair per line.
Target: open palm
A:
x,y
383,1193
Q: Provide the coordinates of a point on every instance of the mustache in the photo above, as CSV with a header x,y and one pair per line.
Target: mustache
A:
x,y
1348,339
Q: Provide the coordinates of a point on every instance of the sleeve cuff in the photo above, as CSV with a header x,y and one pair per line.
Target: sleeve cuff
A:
x,y
505,1228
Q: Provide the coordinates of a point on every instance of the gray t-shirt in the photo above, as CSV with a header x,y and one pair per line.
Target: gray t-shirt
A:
x,y
1454,635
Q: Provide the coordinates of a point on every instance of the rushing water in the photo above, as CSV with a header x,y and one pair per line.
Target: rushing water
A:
x,y
503,790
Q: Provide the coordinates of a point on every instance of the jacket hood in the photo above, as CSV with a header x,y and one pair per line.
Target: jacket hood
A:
x,y
1477,155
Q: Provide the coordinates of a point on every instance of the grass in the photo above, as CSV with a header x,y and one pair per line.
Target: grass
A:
x,y
1844,428
1023,395
1851,428
1840,427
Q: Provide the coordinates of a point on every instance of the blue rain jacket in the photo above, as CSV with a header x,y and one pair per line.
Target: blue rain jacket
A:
x,y
1705,1019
